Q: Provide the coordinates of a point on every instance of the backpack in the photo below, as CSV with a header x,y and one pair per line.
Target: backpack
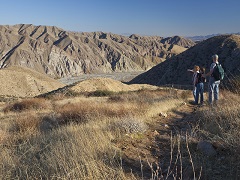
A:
x,y
218,72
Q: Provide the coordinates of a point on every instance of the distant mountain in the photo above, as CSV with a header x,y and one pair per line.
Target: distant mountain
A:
x,y
174,70
60,53
177,40
201,38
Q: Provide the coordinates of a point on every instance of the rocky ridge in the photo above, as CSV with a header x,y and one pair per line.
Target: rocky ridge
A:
x,y
59,53
174,70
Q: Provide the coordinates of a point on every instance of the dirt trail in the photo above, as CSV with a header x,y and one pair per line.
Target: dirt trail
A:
x,y
154,149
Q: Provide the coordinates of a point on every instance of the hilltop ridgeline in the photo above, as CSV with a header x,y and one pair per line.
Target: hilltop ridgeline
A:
x,y
59,53
174,70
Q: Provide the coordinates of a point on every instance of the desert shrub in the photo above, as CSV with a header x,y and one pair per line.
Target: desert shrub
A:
x,y
28,104
84,111
128,125
143,96
23,126
70,93
116,98
61,94
27,122
100,93
185,95
74,113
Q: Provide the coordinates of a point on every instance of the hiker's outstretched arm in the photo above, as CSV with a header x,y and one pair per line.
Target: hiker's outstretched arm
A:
x,y
209,73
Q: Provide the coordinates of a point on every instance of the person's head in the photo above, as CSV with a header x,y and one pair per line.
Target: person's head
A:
x,y
215,58
202,69
196,68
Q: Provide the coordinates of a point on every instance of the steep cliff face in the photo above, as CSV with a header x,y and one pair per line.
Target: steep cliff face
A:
x,y
59,53
174,70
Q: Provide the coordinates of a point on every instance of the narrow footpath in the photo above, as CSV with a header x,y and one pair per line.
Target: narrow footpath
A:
x,y
150,155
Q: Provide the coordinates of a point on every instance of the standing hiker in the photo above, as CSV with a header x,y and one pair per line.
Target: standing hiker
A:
x,y
216,74
195,70
199,83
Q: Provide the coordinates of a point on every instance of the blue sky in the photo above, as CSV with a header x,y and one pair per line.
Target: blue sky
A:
x,y
144,17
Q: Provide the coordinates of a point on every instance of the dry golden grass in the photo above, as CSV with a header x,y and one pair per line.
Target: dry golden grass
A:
x,y
223,121
145,96
28,104
83,148
83,111
3,136
80,141
220,125
28,122
71,152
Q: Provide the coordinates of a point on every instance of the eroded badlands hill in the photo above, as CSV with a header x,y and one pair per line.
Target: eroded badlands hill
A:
x,y
60,53
24,82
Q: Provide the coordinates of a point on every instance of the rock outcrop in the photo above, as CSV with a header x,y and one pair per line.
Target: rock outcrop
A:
x,y
60,53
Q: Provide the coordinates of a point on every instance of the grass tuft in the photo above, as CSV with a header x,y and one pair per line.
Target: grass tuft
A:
x,y
128,125
85,111
28,104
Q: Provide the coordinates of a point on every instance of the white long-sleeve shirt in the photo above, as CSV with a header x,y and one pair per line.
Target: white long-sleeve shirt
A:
x,y
195,77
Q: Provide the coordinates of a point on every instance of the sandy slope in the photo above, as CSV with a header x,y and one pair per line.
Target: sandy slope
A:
x,y
24,82
108,84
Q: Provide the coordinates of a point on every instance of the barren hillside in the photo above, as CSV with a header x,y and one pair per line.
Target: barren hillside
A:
x,y
24,82
60,53
174,70
107,84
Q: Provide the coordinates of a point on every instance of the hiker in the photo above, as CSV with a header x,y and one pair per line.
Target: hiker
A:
x,y
199,83
213,85
195,70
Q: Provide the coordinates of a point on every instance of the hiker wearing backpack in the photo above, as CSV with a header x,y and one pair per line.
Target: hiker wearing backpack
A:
x,y
216,74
